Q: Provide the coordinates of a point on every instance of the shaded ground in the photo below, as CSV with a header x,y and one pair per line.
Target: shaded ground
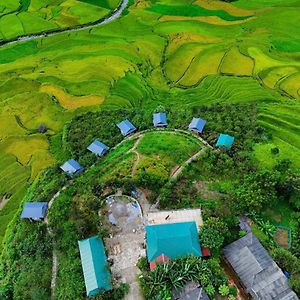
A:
x,y
282,237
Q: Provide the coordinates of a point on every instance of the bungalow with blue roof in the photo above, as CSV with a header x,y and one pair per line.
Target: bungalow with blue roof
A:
x,y
173,240
94,265
197,125
225,141
126,127
98,148
34,210
72,167
160,119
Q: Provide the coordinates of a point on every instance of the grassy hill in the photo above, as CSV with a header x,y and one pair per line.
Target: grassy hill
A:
x,y
178,54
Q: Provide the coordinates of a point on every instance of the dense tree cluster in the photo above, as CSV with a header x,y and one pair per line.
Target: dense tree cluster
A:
x,y
160,283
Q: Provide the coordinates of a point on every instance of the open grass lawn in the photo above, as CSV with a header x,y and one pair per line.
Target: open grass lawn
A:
x,y
169,148
167,53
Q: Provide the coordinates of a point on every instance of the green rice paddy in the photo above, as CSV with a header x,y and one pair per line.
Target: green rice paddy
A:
x,y
34,16
179,53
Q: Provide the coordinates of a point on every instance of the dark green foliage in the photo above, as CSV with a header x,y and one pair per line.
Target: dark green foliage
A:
x,y
290,263
143,264
117,293
101,125
49,183
220,118
296,236
286,260
29,254
213,233
160,283
275,150
257,190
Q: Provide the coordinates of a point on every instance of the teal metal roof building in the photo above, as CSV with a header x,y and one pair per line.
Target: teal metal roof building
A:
x,y
94,264
225,141
173,240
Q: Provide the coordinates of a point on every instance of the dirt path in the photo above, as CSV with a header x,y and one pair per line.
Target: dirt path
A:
x,y
54,255
187,162
138,156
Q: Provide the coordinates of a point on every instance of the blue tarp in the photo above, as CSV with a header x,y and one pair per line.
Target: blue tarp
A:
x,y
126,127
34,210
160,119
225,141
98,148
71,167
94,265
197,125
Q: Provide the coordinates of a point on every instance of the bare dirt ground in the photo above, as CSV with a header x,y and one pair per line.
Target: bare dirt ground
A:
x,y
125,251
128,244
282,237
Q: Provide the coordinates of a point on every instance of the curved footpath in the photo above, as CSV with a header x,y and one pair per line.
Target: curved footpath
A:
x,y
113,16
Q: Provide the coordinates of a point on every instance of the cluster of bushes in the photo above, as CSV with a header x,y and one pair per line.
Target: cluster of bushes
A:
x,y
230,119
289,263
167,278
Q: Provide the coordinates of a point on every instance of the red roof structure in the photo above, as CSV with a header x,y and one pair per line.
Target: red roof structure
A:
x,y
205,252
160,259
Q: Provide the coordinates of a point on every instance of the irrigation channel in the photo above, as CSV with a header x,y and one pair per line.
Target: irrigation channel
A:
x,y
28,37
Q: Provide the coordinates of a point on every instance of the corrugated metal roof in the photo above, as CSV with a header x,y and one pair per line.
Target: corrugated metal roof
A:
x,y
98,148
191,291
174,240
225,141
34,210
256,269
94,264
160,119
197,124
126,127
71,167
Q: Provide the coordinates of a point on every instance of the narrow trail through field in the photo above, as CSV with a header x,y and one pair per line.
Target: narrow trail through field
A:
x,y
138,156
54,255
187,162
28,37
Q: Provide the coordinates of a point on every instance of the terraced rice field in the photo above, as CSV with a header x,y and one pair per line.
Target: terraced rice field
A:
x,y
33,16
180,53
